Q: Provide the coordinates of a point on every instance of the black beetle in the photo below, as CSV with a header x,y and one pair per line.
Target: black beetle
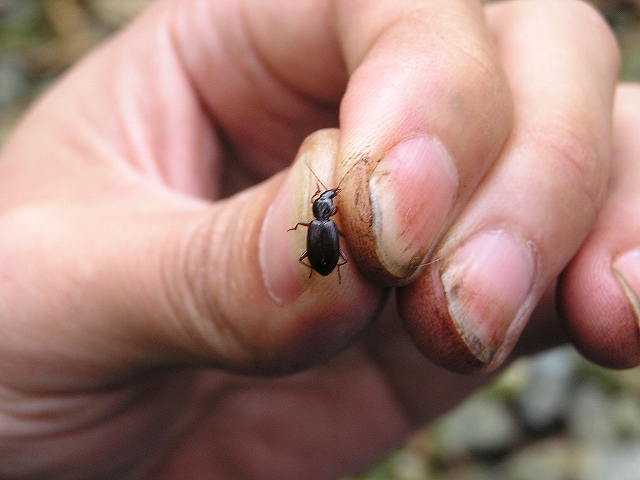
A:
x,y
323,236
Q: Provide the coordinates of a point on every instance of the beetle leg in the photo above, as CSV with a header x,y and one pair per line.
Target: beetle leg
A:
x,y
345,260
301,260
297,225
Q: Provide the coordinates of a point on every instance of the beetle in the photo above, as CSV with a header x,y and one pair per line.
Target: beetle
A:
x,y
323,237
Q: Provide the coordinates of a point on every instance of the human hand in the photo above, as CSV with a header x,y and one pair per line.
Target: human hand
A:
x,y
130,296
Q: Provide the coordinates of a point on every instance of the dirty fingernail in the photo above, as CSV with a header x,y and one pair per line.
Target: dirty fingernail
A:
x,y
626,269
487,281
413,190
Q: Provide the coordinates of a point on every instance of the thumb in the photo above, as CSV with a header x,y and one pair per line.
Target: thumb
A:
x,y
239,285
95,290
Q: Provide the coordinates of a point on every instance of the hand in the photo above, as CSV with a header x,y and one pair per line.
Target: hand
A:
x,y
131,292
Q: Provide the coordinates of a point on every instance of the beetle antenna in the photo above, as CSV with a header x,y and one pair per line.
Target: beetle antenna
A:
x,y
314,174
347,173
339,183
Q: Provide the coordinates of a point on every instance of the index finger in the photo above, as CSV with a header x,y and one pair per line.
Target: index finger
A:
x,y
426,112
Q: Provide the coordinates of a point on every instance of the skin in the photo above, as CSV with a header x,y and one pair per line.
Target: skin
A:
x,y
144,317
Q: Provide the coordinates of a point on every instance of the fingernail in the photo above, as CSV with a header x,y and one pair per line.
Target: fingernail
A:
x,y
280,272
413,190
487,282
626,269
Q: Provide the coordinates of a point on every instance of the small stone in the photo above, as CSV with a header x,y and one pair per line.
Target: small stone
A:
x,y
611,462
483,426
407,466
625,414
546,460
544,401
589,418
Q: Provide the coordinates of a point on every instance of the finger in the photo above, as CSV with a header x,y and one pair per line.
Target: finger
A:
x,y
599,290
117,227
160,280
536,205
268,73
425,114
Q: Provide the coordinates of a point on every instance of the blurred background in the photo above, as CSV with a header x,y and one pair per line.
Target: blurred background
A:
x,y
553,417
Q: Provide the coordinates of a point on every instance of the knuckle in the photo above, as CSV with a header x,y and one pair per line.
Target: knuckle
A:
x,y
605,46
578,161
583,10
584,22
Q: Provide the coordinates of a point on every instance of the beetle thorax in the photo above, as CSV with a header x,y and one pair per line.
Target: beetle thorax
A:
x,y
323,205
